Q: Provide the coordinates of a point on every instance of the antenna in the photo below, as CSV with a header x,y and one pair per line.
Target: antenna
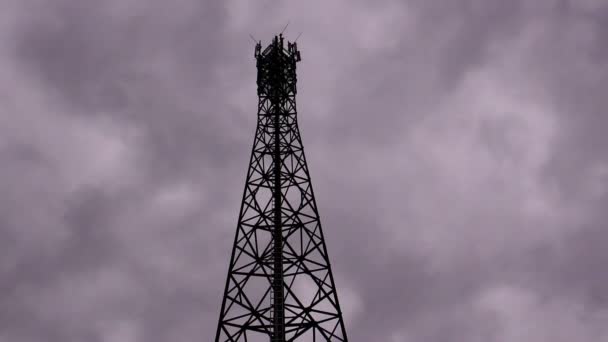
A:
x,y
252,38
285,27
297,37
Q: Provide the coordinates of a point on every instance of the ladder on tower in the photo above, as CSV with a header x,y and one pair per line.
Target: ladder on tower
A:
x,y
275,288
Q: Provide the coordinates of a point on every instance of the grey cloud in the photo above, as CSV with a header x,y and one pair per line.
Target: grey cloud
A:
x,y
422,224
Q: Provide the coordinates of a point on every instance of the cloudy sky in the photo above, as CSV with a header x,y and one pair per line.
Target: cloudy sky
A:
x,y
458,152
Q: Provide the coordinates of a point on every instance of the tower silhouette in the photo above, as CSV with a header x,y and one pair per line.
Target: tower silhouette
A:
x,y
280,285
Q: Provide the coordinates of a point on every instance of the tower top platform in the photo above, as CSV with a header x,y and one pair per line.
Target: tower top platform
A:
x,y
277,46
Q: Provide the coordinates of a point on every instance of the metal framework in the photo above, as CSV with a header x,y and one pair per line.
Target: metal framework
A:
x,y
279,286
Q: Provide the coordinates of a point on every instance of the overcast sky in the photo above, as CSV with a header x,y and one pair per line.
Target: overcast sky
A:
x,y
458,153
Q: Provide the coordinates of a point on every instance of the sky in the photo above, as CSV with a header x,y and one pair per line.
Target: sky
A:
x,y
457,151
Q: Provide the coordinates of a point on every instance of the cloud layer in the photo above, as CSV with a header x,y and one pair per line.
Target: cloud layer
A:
x,y
457,150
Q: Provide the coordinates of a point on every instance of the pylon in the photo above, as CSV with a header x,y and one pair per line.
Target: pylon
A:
x,y
280,285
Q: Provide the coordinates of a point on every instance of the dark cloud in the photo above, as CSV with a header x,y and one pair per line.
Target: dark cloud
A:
x,y
86,50
457,151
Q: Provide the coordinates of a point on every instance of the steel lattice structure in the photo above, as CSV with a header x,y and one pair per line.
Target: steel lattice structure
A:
x,y
280,286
